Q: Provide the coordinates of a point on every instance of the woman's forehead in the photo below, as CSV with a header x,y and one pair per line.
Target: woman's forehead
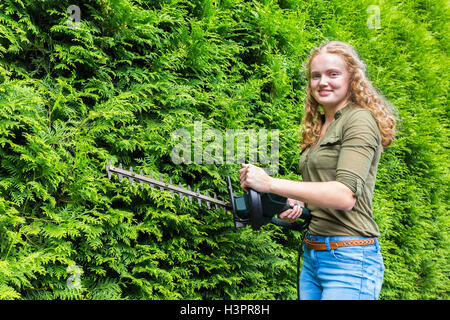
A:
x,y
325,61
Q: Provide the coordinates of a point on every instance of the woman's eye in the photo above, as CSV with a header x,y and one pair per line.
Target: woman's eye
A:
x,y
315,76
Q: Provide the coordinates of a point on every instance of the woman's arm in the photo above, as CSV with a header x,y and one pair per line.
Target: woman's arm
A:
x,y
330,194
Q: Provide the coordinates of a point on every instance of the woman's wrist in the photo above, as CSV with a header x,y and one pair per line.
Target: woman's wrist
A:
x,y
274,185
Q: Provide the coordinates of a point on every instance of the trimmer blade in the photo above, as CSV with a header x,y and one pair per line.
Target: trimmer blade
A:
x,y
190,197
131,178
168,186
120,176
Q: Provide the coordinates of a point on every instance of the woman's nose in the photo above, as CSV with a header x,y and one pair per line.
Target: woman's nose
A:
x,y
323,81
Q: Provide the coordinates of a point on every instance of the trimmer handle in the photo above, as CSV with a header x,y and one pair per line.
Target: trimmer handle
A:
x,y
257,209
306,213
298,226
265,206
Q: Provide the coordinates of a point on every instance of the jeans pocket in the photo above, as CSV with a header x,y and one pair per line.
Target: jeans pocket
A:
x,y
350,255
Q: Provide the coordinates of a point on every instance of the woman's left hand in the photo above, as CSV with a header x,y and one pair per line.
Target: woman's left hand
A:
x,y
254,178
292,214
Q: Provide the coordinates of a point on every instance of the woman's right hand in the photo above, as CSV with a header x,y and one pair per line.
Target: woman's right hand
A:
x,y
291,215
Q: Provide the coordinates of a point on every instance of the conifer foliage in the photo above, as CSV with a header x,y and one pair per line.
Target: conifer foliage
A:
x,y
119,82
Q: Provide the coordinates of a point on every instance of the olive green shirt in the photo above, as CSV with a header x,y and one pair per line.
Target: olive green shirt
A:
x,y
348,152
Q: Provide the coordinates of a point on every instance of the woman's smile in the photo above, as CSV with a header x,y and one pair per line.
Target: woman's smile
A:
x,y
324,93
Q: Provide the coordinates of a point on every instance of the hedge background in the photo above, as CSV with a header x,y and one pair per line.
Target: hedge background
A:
x,y
134,72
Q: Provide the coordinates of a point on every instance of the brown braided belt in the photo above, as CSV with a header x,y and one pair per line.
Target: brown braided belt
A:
x,y
336,244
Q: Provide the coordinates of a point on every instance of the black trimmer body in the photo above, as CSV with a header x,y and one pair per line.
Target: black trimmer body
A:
x,y
257,209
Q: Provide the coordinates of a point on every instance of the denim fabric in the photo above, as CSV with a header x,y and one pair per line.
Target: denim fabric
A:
x,y
346,273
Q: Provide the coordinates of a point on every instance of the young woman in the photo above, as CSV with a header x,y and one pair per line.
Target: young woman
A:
x,y
344,129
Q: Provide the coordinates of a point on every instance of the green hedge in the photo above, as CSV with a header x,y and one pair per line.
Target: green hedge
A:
x,y
134,71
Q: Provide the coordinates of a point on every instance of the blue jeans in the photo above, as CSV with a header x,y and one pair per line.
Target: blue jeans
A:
x,y
346,273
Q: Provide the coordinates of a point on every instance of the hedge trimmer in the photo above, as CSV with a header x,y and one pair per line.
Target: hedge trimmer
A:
x,y
252,208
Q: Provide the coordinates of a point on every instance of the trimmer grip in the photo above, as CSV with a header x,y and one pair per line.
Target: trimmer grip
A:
x,y
306,213
265,206
297,225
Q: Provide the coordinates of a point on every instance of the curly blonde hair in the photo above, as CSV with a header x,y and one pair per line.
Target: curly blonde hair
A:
x,y
362,94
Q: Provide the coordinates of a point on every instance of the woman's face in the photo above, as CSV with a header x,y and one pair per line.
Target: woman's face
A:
x,y
329,80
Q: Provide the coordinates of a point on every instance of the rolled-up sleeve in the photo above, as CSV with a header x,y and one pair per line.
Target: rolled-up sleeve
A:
x,y
361,138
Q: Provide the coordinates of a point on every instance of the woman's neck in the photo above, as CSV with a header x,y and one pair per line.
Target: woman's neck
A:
x,y
330,111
